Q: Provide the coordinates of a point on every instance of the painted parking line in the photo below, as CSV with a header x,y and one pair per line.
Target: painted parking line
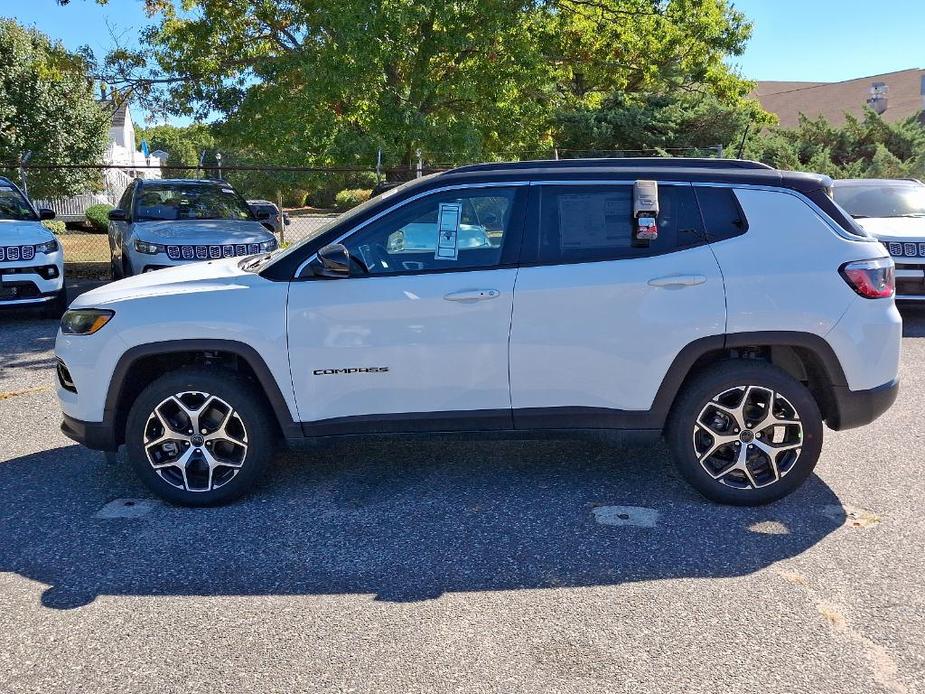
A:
x,y
634,516
128,508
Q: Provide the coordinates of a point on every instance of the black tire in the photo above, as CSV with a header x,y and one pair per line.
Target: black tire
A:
x,y
55,308
793,402
115,269
127,270
231,389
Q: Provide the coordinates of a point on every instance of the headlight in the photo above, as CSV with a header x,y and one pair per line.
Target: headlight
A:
x,y
47,247
85,321
268,246
148,248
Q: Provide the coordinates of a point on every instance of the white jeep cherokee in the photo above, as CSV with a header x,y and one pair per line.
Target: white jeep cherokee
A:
x,y
734,308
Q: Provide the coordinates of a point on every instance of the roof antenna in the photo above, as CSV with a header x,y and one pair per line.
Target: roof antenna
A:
x,y
744,136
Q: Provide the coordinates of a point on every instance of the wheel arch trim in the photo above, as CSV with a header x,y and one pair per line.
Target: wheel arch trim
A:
x,y
244,351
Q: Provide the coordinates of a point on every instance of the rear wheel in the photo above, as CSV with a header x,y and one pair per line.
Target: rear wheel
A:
x,y
745,433
198,437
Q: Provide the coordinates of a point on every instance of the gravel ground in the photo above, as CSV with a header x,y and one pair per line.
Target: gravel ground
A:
x,y
436,565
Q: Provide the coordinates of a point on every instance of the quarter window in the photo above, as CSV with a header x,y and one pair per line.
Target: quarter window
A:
x,y
722,214
595,223
457,230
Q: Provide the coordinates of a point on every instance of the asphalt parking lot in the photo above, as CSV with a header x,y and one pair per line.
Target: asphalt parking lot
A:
x,y
439,565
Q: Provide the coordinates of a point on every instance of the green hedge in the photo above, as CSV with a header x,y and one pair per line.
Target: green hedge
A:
x,y
97,215
351,197
55,226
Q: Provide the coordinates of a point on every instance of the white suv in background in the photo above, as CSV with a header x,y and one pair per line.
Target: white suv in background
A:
x,y
165,222
894,212
730,306
31,258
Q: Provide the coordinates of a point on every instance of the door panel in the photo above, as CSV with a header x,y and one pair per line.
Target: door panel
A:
x,y
600,335
420,329
422,352
603,334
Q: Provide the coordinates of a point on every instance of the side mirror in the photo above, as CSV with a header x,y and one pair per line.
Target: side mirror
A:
x,y
333,262
45,213
117,215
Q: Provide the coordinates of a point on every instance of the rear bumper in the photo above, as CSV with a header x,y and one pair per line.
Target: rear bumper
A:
x,y
98,436
856,408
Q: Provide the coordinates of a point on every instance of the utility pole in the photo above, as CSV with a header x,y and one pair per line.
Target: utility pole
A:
x,y
420,171
378,164
23,175
218,159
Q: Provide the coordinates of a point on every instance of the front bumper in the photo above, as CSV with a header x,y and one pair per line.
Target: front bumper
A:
x,y
24,285
856,408
98,436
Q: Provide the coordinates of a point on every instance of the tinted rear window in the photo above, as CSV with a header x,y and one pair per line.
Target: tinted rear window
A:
x,y
723,217
595,223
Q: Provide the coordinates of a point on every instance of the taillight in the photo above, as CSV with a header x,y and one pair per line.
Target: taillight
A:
x,y
872,279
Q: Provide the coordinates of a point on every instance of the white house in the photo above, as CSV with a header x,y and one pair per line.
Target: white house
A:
x,y
122,151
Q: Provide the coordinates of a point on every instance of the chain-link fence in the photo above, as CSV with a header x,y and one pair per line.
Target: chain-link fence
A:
x,y
294,201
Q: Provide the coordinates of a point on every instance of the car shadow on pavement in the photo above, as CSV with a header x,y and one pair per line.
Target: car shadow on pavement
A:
x,y
400,520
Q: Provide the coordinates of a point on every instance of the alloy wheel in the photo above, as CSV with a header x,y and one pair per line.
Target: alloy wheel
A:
x,y
748,437
195,441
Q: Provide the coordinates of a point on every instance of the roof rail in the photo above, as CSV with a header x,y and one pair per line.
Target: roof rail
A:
x,y
619,162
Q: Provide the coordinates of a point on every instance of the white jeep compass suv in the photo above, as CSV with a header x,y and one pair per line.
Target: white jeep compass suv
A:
x,y
31,258
729,306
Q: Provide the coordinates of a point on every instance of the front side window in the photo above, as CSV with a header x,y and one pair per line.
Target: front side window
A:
x,y
595,223
14,206
165,201
455,230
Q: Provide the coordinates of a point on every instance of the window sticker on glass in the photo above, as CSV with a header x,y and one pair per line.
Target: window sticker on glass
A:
x,y
448,231
595,221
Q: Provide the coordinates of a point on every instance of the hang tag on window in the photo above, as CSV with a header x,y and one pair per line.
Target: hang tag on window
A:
x,y
448,217
646,229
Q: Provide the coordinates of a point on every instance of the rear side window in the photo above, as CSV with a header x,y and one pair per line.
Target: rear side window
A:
x,y
722,215
595,223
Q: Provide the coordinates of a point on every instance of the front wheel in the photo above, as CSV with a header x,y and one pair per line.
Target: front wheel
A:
x,y
745,433
55,308
199,437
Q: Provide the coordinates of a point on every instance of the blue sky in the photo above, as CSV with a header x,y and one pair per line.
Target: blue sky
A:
x,y
814,40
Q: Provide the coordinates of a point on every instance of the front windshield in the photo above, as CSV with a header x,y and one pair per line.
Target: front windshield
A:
x,y
900,200
171,201
14,206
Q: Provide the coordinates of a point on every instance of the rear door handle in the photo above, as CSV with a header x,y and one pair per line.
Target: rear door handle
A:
x,y
473,295
677,281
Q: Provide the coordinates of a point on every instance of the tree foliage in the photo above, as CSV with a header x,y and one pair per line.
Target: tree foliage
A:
x,y
331,81
863,147
184,146
47,107
680,124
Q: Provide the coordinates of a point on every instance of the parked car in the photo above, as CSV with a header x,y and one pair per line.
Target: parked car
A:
x,y
166,222
893,211
31,258
757,312
267,211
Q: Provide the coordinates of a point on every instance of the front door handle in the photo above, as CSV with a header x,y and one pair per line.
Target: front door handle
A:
x,y
677,281
473,295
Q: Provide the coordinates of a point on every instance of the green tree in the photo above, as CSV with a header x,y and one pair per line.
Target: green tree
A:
x,y
863,147
47,107
649,122
184,146
333,80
